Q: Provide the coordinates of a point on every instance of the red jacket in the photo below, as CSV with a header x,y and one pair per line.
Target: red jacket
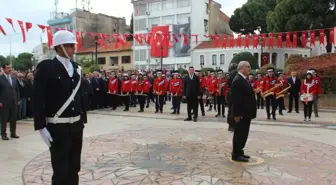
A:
x,y
143,86
308,86
212,85
113,85
133,85
283,84
270,83
160,86
175,86
126,86
317,84
259,84
224,89
203,82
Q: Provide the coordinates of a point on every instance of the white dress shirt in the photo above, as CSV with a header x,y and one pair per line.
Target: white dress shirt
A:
x,y
67,64
242,75
9,79
294,78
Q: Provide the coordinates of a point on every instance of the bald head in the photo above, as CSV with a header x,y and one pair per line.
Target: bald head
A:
x,y
244,68
243,64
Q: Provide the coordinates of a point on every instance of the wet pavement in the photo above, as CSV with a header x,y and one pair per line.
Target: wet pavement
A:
x,y
147,148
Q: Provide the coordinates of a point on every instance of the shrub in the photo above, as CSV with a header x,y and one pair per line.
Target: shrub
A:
x,y
246,56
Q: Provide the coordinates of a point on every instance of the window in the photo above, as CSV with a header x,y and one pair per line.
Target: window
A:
x,y
140,25
154,21
274,59
183,18
114,61
202,60
286,57
206,27
207,8
214,60
305,56
154,6
222,59
167,4
101,61
140,55
126,59
168,20
140,9
183,3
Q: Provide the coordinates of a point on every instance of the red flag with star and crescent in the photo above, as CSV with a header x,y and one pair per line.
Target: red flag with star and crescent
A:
x,y
159,41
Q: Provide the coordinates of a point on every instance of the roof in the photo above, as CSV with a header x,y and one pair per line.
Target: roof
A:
x,y
224,17
109,47
211,44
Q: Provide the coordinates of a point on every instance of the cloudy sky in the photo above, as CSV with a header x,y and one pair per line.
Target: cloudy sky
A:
x,y
38,12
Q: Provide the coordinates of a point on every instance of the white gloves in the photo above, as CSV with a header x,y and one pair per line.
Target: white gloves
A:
x,y
46,136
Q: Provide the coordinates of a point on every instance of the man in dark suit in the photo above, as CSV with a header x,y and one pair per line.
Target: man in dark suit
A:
x,y
29,82
294,92
244,109
22,112
9,101
191,92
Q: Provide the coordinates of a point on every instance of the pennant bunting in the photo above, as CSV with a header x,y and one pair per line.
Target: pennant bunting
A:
x,y
22,30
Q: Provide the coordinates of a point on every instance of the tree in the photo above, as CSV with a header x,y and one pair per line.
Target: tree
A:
x,y
252,14
294,15
246,56
3,60
23,61
130,38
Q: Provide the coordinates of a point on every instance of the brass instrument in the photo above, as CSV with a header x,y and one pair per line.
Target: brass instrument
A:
x,y
211,98
270,92
258,90
282,93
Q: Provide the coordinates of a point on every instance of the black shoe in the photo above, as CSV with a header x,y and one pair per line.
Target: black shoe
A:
x,y
4,138
280,113
274,118
147,106
141,111
15,136
289,111
195,119
156,111
298,112
125,110
178,112
161,111
188,119
246,156
217,115
317,116
173,112
240,159
223,116
231,129
268,117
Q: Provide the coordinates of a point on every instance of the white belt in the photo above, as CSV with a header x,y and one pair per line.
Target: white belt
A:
x,y
64,120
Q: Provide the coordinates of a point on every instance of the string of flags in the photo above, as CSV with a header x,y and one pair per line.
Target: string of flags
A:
x,y
220,40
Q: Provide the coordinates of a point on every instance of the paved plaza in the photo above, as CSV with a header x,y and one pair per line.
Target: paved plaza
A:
x,y
128,148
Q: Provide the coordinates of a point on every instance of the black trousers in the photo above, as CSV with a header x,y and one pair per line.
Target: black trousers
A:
x,y
307,109
221,105
201,103
30,109
114,100
270,100
142,100
8,114
133,99
65,154
293,97
260,101
281,104
176,101
240,136
126,101
93,102
192,104
159,102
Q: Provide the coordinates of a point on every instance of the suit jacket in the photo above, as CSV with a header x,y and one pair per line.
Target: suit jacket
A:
x,y
9,95
29,89
243,98
191,87
295,87
22,89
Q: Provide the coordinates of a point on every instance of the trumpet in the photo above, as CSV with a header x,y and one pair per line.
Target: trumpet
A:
x,y
270,92
282,93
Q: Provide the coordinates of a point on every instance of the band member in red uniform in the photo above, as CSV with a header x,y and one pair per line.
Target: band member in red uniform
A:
x,y
221,90
318,90
270,81
134,83
142,91
126,91
308,90
207,79
202,90
283,84
211,88
258,88
251,80
113,85
160,87
175,89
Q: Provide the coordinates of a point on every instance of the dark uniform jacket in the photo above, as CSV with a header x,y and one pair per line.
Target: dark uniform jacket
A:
x,y
52,88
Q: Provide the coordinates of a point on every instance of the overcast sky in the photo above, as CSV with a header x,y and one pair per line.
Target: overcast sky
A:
x,y
38,12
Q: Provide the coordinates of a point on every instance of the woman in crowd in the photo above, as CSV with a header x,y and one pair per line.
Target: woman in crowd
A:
x,y
142,91
125,91
307,92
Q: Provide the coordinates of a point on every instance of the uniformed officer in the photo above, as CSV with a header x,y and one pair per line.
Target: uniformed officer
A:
x,y
59,112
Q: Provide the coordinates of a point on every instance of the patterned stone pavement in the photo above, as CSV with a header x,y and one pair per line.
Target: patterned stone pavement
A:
x,y
195,156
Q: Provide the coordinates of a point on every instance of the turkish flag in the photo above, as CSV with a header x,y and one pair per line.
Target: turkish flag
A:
x,y
312,38
332,36
255,40
271,40
279,40
288,43
263,37
159,41
304,39
232,41
322,36
22,30
239,41
247,40
295,38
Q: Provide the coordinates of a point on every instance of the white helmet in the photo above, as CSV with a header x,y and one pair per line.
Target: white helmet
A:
x,y
63,37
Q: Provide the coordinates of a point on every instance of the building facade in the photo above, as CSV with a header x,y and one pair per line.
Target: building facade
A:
x,y
41,52
149,13
109,57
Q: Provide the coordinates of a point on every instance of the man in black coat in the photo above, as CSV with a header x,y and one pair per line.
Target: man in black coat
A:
x,y
244,109
29,82
191,92
294,92
59,111
233,72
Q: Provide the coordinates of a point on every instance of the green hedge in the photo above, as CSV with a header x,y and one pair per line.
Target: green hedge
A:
x,y
246,56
